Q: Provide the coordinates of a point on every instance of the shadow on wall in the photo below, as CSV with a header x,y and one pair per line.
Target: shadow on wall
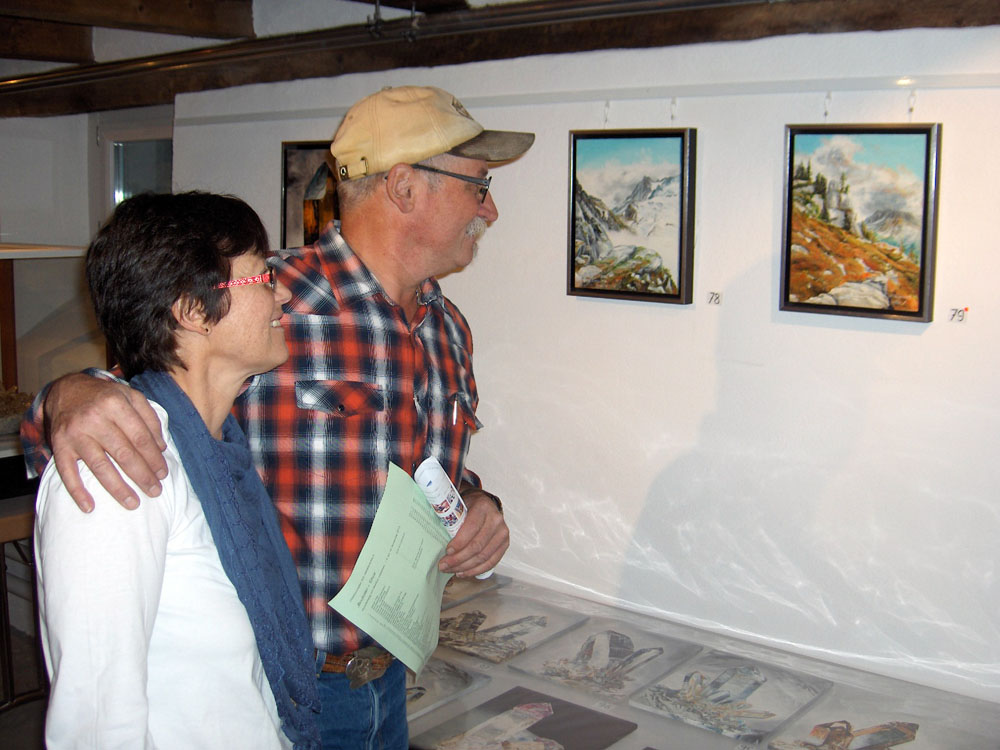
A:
x,y
802,516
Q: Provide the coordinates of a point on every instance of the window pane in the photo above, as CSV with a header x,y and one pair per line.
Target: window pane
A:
x,y
142,166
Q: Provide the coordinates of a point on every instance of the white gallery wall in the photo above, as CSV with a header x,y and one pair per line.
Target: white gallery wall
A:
x,y
819,483
822,484
44,200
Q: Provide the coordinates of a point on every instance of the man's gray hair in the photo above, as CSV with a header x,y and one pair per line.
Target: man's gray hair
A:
x,y
352,193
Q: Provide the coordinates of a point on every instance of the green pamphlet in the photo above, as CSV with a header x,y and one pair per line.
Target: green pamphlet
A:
x,y
394,592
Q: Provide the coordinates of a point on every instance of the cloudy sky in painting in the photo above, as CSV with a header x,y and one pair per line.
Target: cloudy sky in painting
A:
x,y
883,170
608,168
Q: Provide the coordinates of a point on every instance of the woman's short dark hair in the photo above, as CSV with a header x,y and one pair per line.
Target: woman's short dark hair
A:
x,y
156,249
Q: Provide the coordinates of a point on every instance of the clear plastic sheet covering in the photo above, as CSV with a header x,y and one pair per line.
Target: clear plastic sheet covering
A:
x,y
855,698
897,583
755,494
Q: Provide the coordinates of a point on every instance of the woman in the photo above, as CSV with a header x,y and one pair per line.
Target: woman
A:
x,y
179,624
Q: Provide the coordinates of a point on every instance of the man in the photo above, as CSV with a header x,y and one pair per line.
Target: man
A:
x,y
380,370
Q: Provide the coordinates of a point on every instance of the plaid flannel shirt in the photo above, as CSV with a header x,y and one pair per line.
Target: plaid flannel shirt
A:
x,y
361,388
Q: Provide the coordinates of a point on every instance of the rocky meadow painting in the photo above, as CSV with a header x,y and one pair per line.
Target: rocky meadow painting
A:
x,y
860,219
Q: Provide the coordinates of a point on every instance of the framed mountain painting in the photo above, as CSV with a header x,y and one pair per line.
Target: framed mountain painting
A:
x,y
631,214
860,220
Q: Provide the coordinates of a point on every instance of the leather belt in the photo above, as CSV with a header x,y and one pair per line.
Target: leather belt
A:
x,y
361,666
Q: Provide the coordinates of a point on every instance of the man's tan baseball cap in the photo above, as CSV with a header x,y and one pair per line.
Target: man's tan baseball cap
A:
x,y
408,124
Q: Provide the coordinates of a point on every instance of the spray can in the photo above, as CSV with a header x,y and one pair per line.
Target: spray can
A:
x,y
443,497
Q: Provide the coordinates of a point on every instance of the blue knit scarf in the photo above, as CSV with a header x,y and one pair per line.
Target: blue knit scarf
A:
x,y
253,552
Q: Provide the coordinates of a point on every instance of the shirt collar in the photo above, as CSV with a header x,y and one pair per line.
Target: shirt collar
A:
x,y
328,276
429,291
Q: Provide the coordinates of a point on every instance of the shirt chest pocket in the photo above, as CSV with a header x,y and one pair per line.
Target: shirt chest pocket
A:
x,y
462,411
338,397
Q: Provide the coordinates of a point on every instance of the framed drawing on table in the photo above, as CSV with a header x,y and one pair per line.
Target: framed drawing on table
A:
x,y
605,657
853,716
860,220
731,695
439,681
497,626
631,214
524,718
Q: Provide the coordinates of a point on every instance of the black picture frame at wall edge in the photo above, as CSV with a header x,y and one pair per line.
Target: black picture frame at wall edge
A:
x,y
860,220
308,191
631,214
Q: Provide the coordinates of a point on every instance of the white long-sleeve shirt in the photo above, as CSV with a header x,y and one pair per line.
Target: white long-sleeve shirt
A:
x,y
146,642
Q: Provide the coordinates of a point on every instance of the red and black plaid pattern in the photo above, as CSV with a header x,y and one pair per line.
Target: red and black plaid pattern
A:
x,y
361,388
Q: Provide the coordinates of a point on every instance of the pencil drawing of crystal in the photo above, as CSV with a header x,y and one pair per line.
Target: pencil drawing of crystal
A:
x,y
496,626
721,704
734,685
609,658
495,643
732,696
605,659
840,735
506,731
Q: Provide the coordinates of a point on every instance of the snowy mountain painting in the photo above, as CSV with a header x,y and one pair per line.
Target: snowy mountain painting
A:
x,y
857,234
629,234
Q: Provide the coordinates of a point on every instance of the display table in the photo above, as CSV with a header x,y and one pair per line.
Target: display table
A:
x,y
10,445
17,518
534,668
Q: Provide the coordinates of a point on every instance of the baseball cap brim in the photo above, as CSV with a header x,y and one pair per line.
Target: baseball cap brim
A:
x,y
494,145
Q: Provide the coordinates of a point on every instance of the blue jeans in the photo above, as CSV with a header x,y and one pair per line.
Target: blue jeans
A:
x,y
371,717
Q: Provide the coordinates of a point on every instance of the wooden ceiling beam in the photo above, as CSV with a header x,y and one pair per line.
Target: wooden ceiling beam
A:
x,y
425,6
27,39
500,32
218,19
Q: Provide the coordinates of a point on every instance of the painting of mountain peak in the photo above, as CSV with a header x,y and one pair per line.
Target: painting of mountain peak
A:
x,y
859,220
631,210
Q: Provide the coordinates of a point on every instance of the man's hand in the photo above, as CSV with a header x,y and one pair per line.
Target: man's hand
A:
x,y
91,419
482,540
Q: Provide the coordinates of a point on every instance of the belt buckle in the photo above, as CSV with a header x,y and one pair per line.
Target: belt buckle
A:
x,y
361,669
